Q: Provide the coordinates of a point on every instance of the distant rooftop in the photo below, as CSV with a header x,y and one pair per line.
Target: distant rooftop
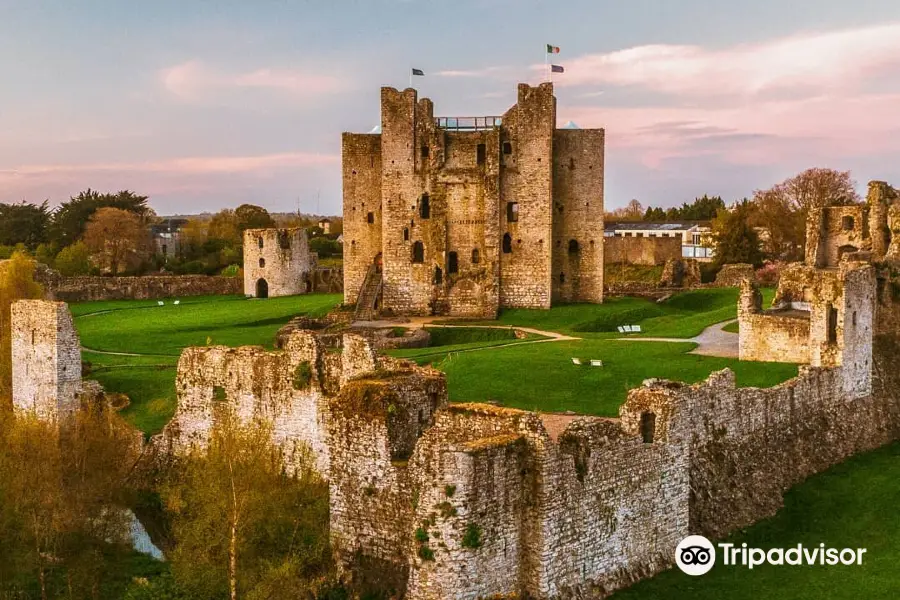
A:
x,y
652,225
570,125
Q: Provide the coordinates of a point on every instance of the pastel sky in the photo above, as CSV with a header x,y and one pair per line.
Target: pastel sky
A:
x,y
203,105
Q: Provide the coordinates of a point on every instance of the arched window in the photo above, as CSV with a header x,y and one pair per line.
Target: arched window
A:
x,y
562,277
507,243
512,212
573,246
262,263
370,218
259,241
406,234
476,256
847,223
452,263
438,276
418,252
425,207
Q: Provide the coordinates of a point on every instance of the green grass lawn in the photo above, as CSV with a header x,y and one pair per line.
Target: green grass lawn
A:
x,y
543,377
683,315
732,327
159,333
851,505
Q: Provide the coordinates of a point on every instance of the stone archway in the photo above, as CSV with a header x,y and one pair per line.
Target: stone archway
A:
x,y
262,289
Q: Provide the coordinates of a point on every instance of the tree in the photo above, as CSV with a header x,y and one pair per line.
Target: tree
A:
x,y
224,226
243,527
115,236
782,210
16,283
633,211
250,216
71,218
61,484
23,224
74,260
735,239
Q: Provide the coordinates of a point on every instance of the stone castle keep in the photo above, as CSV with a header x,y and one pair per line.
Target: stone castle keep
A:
x,y
462,216
277,262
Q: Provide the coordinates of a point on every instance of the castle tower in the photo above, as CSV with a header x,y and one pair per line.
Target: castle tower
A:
x,y
46,359
462,216
276,262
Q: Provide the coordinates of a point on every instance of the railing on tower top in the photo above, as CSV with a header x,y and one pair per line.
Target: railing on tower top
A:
x,y
468,123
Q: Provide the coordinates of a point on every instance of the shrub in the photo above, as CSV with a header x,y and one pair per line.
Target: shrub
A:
x,y
421,535
232,271
426,553
449,490
472,537
302,375
73,260
769,274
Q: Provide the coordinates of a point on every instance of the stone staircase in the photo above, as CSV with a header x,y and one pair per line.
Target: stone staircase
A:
x,y
369,301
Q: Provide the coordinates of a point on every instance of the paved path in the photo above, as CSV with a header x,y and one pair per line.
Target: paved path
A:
x,y
712,341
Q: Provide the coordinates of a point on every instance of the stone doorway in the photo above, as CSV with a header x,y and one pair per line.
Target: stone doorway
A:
x,y
262,289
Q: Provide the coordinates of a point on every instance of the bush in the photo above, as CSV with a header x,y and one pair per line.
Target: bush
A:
x,y
302,375
74,260
472,537
232,271
769,274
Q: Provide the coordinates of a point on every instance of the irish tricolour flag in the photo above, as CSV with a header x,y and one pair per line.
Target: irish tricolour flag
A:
x,y
552,49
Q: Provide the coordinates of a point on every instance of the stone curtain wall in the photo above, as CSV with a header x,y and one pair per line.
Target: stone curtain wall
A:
x,y
748,446
46,359
770,336
641,250
88,289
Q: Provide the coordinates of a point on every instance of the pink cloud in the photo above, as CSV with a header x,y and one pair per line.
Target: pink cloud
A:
x,y
823,61
194,80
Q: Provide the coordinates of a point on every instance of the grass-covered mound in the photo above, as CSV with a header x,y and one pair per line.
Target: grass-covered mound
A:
x,y
448,336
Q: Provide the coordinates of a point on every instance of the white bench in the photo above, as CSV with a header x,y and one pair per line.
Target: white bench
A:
x,y
629,329
576,361
177,302
596,363
160,303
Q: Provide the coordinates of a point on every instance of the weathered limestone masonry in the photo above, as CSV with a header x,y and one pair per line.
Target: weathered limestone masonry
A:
x,y
277,262
293,388
460,216
489,504
147,287
46,359
641,250
835,230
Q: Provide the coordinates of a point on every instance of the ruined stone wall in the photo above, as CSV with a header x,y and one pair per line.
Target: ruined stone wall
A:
x,y
46,358
577,213
880,198
148,287
845,230
732,275
361,166
771,336
641,250
526,271
577,514
748,446
280,259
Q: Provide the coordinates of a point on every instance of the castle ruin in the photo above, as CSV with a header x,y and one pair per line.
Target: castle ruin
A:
x,y
463,215
277,262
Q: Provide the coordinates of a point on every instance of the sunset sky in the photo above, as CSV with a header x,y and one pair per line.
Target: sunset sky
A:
x,y
203,105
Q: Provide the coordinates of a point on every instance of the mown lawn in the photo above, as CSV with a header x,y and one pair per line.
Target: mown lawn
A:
x,y
159,333
852,505
543,377
683,315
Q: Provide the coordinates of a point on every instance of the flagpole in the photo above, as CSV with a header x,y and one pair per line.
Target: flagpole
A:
x,y
547,64
410,77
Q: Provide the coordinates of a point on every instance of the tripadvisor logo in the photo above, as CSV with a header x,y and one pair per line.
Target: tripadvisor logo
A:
x,y
696,555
